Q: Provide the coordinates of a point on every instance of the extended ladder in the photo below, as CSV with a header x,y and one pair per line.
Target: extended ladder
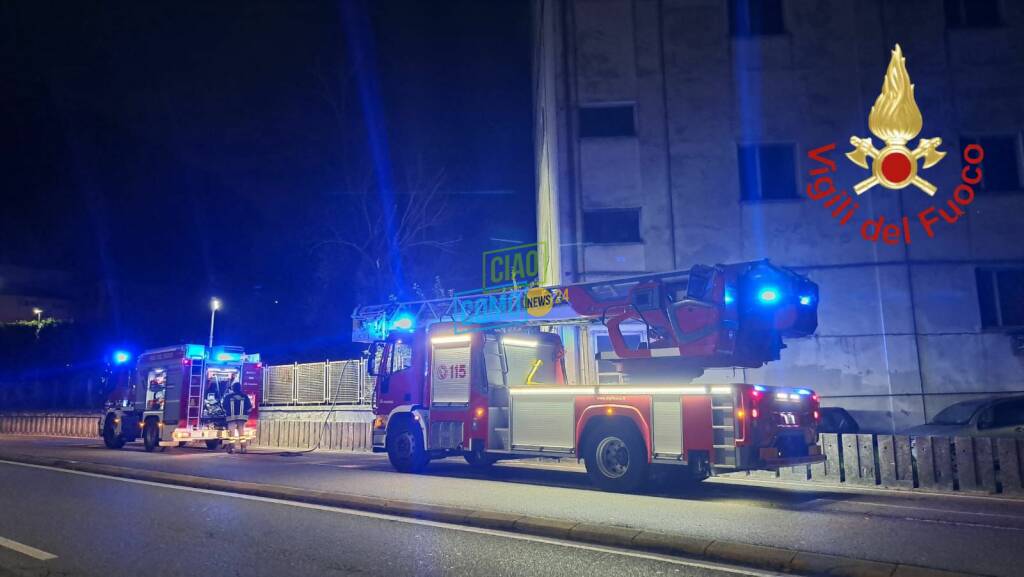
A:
x,y
194,411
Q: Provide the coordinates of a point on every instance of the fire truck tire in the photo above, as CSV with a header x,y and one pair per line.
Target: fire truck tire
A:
x,y
405,448
111,439
213,444
616,457
150,436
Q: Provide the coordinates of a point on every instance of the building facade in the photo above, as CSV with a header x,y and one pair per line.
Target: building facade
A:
x,y
675,132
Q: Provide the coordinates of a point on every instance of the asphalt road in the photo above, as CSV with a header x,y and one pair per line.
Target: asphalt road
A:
x,y
961,533
64,523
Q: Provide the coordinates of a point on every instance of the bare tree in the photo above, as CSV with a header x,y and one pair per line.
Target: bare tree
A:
x,y
389,255
385,238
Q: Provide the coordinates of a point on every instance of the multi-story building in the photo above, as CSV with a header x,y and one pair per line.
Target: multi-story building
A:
x,y
674,132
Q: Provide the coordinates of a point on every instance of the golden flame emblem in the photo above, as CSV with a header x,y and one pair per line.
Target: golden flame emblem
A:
x,y
896,119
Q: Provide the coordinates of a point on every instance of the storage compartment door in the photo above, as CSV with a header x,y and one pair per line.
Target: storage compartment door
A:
x,y
450,375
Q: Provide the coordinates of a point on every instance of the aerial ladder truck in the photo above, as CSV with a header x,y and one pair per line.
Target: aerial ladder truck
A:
x,y
483,376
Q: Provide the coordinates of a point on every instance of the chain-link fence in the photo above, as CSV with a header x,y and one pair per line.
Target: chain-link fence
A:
x,y
326,383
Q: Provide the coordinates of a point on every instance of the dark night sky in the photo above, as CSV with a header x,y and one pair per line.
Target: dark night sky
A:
x,y
168,152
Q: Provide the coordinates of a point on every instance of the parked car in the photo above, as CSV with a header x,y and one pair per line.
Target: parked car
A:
x,y
992,417
837,420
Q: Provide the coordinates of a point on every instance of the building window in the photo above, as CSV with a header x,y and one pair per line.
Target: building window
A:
x,y
756,17
611,226
972,13
607,120
767,172
1001,297
1000,170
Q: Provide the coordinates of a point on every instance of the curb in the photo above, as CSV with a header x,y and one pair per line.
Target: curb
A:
x,y
759,556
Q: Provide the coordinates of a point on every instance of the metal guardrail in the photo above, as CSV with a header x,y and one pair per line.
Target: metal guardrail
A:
x,y
326,383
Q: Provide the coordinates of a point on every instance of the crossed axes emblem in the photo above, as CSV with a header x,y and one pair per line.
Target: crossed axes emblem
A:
x,y
864,148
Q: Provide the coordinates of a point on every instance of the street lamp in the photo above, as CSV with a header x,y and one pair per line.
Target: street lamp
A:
x,y
39,314
214,307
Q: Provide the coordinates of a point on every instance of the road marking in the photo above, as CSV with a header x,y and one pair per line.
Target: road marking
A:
x,y
749,572
962,524
26,550
918,508
812,487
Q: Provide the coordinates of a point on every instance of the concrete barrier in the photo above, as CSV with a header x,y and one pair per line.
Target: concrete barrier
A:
x,y
335,436
49,425
978,465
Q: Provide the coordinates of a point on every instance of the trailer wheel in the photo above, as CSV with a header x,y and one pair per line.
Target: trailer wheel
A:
x,y
616,457
110,438
150,436
213,444
405,448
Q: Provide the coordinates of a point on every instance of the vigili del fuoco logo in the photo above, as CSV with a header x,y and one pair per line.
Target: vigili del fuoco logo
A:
x,y
896,120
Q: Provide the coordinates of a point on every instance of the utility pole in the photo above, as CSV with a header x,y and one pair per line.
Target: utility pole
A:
x,y
214,306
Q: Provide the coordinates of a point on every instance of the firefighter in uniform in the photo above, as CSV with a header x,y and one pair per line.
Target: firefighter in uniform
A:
x,y
237,406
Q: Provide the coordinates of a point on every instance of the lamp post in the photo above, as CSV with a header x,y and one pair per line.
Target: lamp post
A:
x,y
214,306
39,315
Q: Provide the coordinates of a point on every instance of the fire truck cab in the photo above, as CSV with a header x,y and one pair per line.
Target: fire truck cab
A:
x,y
172,397
501,393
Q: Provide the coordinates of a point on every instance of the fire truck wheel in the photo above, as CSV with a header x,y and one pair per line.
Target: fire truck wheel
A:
x,y
150,436
213,444
405,449
616,458
111,439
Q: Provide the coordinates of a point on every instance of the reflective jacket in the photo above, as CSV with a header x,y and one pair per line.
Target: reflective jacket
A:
x,y
237,406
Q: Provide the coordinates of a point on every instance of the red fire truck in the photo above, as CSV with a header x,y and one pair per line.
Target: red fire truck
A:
x,y
483,376
172,397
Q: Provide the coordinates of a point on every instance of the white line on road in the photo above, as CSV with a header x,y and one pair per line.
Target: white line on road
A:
x,y
465,529
26,550
918,508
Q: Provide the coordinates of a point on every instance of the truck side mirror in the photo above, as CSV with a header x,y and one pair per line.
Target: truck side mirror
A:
x,y
697,283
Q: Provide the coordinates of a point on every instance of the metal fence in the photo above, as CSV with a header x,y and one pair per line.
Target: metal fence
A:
x,y
967,464
326,383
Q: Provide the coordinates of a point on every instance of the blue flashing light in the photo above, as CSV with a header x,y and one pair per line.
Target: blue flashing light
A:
x,y
804,392
195,351
403,323
226,357
805,300
759,388
768,295
729,297
121,357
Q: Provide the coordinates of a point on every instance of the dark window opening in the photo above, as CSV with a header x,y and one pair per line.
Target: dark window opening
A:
x,y
767,172
612,226
972,14
1001,297
1000,169
756,17
606,121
